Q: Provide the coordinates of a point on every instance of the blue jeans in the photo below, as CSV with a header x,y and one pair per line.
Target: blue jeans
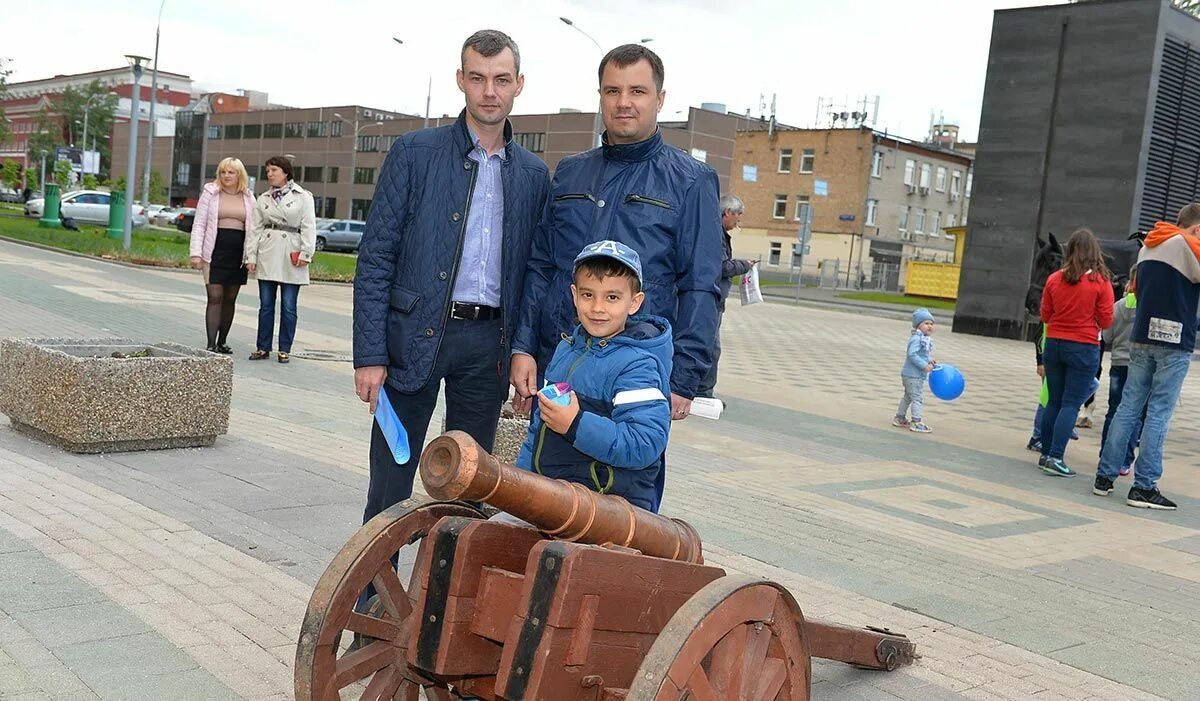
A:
x,y
287,314
914,389
1117,374
1070,373
1156,376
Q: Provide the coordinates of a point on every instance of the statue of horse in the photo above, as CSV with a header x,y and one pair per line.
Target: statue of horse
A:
x,y
1119,256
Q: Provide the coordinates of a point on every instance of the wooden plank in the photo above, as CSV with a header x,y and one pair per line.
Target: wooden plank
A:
x,y
499,595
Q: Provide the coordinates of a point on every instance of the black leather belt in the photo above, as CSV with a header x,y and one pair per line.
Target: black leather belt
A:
x,y
473,312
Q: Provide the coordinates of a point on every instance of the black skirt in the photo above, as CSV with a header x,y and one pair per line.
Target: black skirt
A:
x,y
226,267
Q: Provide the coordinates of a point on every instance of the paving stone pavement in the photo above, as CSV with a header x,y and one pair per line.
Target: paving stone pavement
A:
x,y
185,574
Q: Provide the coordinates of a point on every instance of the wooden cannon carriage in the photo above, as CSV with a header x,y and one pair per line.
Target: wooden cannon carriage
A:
x,y
602,602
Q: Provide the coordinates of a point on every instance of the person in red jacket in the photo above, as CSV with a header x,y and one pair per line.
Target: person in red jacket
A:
x,y
1077,304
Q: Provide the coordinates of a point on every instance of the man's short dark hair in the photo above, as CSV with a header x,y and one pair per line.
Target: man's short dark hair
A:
x,y
282,163
629,54
601,267
489,42
1189,216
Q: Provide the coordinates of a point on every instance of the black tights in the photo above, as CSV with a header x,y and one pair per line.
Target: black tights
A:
x,y
218,317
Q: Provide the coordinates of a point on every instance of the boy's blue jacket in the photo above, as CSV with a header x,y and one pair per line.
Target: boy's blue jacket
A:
x,y
920,350
617,443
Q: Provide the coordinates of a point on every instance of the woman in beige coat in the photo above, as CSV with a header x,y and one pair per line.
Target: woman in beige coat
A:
x,y
278,250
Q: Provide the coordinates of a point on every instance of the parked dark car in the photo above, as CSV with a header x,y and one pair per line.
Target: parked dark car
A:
x,y
186,219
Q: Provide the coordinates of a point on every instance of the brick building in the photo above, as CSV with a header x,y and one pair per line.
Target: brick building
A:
x,y
342,181
874,198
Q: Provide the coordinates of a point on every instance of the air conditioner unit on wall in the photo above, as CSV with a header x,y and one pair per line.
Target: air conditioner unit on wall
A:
x,y
924,191
953,196
911,188
906,236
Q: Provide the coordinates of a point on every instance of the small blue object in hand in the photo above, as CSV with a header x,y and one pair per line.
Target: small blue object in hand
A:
x,y
559,393
946,382
393,430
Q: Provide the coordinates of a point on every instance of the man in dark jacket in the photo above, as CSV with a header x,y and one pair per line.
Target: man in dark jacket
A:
x,y
732,210
648,195
442,266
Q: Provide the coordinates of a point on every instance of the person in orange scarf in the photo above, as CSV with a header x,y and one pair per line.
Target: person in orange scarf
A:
x,y
1163,338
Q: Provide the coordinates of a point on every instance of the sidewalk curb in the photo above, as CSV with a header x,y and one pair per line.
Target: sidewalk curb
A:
x,y
886,311
128,264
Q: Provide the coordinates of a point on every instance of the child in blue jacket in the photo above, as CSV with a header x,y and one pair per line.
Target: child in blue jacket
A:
x,y
612,436
918,362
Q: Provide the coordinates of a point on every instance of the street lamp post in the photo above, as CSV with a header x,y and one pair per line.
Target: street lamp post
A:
x,y
428,90
153,99
354,151
597,125
135,63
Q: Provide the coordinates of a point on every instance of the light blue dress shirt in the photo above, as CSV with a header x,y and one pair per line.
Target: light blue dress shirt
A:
x,y
479,269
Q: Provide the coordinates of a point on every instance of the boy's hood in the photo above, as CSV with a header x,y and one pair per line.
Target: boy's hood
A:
x,y
650,332
1164,231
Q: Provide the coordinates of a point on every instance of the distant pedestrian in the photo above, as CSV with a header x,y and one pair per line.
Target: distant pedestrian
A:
x,y
224,214
1116,338
1162,341
918,363
732,209
1077,303
280,247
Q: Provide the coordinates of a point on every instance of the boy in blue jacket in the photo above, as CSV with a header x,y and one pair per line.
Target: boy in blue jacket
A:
x,y
612,435
918,362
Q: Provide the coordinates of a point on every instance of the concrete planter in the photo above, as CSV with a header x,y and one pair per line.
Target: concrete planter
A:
x,y
74,394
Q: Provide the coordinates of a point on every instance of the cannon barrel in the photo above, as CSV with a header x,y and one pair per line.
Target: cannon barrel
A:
x,y
453,466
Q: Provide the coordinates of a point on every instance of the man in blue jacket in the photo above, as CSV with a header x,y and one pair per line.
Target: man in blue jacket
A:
x,y
442,266
648,195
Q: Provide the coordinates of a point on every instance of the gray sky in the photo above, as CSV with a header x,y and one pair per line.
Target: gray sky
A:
x,y
917,55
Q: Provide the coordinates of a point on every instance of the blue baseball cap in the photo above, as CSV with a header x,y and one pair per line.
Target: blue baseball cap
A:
x,y
615,250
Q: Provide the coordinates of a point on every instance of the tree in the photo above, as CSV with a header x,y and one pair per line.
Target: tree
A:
x,y
33,177
158,188
62,173
10,175
90,182
43,140
5,71
100,105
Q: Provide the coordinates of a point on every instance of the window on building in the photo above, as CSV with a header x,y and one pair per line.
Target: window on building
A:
x,y
903,218
935,228
785,160
801,201
363,176
317,128
272,131
330,208
534,141
293,130
780,210
210,172
333,174
940,183
313,174
385,142
910,170
872,208
335,128
233,131
359,209
919,220
252,131
970,174
951,220
956,182
877,165
369,143
776,252
925,173
183,174
214,131
808,160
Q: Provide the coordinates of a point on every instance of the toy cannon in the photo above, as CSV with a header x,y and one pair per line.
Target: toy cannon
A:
x,y
599,601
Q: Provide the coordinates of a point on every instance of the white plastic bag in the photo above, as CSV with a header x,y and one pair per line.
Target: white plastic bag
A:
x,y
751,292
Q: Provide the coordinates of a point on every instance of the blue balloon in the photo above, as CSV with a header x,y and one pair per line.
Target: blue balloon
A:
x,y
946,382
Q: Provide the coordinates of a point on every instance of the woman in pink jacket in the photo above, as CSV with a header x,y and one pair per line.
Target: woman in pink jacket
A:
x,y
224,214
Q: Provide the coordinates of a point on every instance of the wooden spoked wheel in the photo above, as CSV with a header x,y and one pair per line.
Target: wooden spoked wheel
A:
x,y
322,669
737,639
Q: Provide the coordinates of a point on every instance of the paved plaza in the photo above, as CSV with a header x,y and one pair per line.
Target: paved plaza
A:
x,y
184,574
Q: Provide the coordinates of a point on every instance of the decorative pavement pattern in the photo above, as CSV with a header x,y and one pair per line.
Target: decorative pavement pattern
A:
x,y
184,574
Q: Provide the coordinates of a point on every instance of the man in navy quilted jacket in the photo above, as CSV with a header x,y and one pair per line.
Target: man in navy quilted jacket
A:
x,y
646,194
442,265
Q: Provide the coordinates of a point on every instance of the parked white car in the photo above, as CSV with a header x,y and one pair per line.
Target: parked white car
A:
x,y
86,207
